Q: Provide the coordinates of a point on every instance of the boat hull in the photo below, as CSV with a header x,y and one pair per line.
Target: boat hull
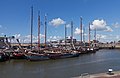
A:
x,y
3,57
35,57
69,55
18,56
63,55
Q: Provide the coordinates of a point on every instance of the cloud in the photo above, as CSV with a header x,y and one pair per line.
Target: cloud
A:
x,y
17,36
2,34
54,38
0,26
107,37
116,25
35,38
57,22
42,36
108,29
78,31
100,25
117,37
27,38
68,25
101,36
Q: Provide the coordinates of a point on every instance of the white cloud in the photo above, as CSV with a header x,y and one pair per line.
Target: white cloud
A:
x,y
2,34
78,31
35,38
42,36
108,29
117,37
68,25
52,38
100,25
107,37
101,36
0,26
17,36
57,22
85,34
116,25
27,38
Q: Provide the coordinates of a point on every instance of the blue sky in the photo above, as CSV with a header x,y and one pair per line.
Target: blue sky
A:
x,y
104,15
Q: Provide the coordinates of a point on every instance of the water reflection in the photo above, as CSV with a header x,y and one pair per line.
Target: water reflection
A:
x,y
98,62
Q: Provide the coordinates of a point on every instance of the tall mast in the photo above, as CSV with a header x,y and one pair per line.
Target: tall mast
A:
x,y
38,30
45,29
65,34
81,28
71,32
31,25
95,34
84,34
89,35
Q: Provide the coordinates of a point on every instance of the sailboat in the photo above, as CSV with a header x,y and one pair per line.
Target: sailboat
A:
x,y
36,55
19,53
57,53
90,49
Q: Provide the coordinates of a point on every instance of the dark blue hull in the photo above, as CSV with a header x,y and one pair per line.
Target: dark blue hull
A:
x,y
69,55
35,57
64,55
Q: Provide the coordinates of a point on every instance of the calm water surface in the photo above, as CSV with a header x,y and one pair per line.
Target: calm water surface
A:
x,y
97,62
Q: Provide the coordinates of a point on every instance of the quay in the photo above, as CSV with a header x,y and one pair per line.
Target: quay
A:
x,y
110,45
100,45
115,74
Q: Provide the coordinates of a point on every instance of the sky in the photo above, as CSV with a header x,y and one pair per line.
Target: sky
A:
x,y
103,15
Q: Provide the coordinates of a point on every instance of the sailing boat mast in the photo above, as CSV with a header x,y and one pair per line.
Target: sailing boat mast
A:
x,y
89,35
38,30
95,34
81,28
31,25
65,34
84,34
71,32
45,29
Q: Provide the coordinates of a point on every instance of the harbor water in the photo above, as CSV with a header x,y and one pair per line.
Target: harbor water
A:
x,y
93,63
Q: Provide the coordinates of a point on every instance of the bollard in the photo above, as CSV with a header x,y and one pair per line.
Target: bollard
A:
x,y
110,71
